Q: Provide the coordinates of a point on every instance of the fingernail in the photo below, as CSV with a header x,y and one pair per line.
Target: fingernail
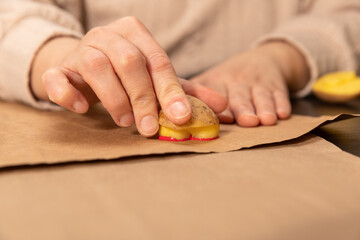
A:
x,y
127,119
269,113
283,110
250,115
179,110
149,125
79,107
283,113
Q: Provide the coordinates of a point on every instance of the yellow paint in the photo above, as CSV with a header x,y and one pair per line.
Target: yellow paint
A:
x,y
197,132
177,134
338,83
205,132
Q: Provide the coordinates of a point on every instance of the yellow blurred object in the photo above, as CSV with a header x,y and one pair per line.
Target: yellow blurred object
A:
x,y
198,133
175,134
208,132
337,87
203,124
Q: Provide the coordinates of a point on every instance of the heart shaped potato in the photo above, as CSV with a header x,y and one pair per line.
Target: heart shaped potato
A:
x,y
337,87
203,125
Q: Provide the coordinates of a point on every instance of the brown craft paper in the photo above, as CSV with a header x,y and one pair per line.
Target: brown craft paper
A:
x,y
304,189
29,136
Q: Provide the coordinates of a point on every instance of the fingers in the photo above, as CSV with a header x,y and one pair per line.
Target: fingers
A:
x,y
96,70
264,104
240,102
143,69
62,92
250,102
216,101
259,105
130,66
226,116
171,96
130,72
282,103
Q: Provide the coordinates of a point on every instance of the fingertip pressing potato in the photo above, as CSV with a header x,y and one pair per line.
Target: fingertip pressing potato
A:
x,y
203,125
337,87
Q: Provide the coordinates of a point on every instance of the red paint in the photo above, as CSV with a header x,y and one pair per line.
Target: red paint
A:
x,y
202,139
185,139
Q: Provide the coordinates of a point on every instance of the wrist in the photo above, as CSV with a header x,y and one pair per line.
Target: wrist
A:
x,y
51,54
291,62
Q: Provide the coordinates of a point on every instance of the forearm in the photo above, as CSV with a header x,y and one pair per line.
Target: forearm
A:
x,y
326,34
50,55
27,25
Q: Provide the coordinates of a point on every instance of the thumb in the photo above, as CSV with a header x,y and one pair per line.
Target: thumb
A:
x,y
60,91
216,101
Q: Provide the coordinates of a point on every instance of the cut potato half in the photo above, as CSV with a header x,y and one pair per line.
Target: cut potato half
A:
x,y
337,87
203,125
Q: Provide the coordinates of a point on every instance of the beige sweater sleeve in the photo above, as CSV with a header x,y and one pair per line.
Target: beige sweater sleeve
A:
x,y
327,32
25,27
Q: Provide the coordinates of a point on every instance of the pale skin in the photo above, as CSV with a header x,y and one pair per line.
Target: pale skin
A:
x,y
123,66
257,83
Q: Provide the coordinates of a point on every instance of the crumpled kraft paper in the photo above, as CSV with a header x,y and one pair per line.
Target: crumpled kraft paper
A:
x,y
30,136
302,189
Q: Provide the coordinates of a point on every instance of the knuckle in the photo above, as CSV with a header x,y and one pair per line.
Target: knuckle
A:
x,y
158,62
244,106
170,89
115,105
132,21
280,94
131,59
142,100
94,60
239,94
262,92
48,75
246,75
130,26
97,31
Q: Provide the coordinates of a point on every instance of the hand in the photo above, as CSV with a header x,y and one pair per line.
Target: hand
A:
x,y
256,83
122,66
